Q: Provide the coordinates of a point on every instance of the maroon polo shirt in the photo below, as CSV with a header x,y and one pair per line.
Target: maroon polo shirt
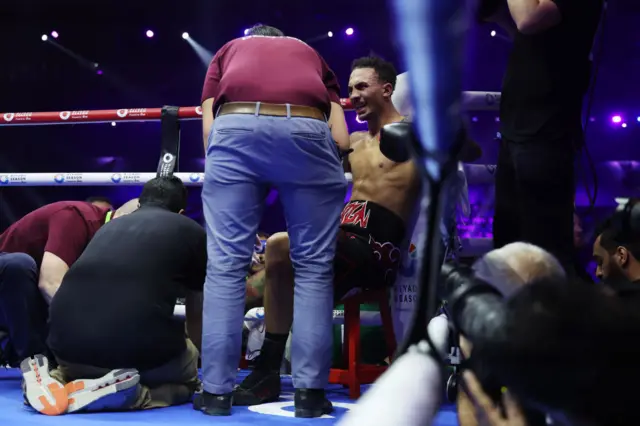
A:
x,y
277,70
63,228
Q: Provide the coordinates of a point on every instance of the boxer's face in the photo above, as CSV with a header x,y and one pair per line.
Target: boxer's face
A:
x,y
367,93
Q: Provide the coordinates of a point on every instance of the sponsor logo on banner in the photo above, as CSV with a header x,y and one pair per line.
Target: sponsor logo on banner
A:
x,y
492,99
408,266
116,178
137,112
131,178
58,178
287,408
8,116
21,116
64,115
405,288
199,110
79,115
196,177
13,178
122,113
73,177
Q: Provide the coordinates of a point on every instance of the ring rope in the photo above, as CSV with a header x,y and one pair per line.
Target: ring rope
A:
x,y
477,174
471,101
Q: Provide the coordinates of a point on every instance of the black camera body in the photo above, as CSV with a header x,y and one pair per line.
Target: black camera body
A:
x,y
476,311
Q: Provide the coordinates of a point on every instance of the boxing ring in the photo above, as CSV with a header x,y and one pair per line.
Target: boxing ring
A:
x,y
11,409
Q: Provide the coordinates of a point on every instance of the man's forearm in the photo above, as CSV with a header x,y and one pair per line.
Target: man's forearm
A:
x,y
48,289
521,10
534,16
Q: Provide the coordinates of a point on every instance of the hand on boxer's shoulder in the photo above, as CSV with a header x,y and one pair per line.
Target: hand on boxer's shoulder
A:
x,y
396,140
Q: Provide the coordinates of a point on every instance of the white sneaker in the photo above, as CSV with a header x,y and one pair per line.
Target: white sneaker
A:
x,y
41,391
115,391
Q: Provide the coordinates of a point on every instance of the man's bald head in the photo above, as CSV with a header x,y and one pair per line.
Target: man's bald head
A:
x,y
516,264
128,207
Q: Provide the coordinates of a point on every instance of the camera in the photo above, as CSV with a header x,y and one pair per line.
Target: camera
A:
x,y
476,311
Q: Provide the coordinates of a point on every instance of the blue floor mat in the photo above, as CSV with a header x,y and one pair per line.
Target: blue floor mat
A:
x,y
13,412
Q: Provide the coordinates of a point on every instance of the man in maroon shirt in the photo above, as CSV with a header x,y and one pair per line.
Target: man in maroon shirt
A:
x,y
278,123
35,253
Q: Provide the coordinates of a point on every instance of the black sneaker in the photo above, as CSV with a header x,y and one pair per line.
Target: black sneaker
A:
x,y
213,405
312,403
259,387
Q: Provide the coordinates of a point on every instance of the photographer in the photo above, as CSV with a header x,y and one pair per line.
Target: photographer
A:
x,y
507,269
566,351
547,75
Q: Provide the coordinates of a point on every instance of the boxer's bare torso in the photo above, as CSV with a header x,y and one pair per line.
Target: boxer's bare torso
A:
x,y
395,186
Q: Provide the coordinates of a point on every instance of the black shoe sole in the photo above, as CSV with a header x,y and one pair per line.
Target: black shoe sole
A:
x,y
240,401
311,413
210,411
217,412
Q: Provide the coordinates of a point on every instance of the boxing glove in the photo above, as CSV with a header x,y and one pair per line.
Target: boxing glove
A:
x,y
396,140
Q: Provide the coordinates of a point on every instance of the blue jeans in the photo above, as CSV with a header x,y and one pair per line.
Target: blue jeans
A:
x,y
23,310
247,155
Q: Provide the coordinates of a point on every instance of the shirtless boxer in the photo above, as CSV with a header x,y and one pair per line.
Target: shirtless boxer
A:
x,y
373,227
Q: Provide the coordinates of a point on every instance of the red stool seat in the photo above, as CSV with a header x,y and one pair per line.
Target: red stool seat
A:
x,y
356,373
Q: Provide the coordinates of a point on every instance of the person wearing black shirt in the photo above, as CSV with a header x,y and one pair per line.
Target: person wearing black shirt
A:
x,y
617,256
547,75
112,329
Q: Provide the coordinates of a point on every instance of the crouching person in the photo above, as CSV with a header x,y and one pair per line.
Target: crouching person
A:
x,y
112,330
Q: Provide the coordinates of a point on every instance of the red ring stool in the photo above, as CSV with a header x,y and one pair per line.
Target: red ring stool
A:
x,y
355,372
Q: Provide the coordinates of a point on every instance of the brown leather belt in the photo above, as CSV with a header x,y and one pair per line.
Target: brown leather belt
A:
x,y
277,110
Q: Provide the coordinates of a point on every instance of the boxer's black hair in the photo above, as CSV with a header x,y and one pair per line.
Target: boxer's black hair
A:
x,y
264,30
386,71
165,192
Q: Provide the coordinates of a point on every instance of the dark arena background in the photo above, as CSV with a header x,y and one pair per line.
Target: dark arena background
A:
x,y
77,56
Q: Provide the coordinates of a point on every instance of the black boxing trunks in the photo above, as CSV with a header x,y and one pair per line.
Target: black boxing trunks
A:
x,y
368,251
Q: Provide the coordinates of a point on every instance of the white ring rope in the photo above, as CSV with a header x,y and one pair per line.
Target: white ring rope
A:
x,y
477,174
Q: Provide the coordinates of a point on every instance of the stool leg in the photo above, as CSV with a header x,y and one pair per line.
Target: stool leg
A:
x,y
352,324
387,325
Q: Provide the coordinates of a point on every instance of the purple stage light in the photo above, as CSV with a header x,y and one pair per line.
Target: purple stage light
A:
x,y
149,33
246,32
616,119
349,31
99,72
54,34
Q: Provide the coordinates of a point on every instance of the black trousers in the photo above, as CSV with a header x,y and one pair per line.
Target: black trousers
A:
x,y
534,199
23,310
